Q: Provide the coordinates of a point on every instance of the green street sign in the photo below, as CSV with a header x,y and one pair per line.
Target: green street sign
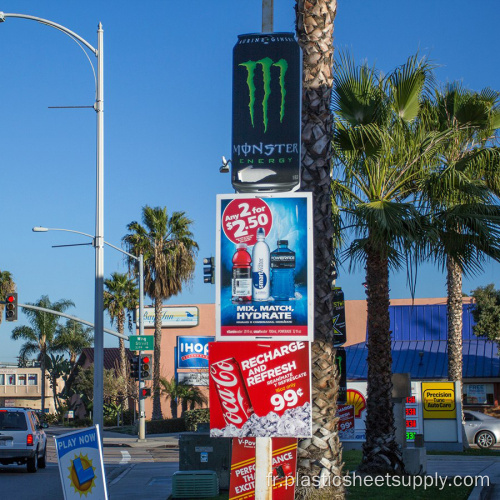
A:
x,y
141,342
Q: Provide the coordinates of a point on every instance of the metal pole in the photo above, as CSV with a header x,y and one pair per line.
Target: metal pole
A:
x,y
267,16
99,231
142,411
263,469
263,445
99,241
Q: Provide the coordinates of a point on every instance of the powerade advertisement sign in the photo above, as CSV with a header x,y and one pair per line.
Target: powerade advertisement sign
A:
x,y
264,284
266,113
192,352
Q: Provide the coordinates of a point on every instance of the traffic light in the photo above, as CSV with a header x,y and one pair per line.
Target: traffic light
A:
x,y
145,392
11,307
146,367
134,367
209,270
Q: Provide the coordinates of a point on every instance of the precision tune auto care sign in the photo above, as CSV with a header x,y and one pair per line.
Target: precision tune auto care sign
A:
x,y
266,113
260,389
264,287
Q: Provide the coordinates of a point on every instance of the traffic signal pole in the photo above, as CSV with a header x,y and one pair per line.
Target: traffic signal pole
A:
x,y
142,410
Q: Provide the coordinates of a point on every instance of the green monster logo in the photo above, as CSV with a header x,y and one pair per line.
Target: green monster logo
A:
x,y
266,65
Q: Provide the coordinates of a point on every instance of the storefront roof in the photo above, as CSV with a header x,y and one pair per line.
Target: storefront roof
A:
x,y
419,346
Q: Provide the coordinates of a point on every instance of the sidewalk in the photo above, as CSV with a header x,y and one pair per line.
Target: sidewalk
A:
x,y
111,438
475,466
151,480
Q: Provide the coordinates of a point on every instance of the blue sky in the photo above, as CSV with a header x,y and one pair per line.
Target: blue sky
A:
x,y
168,122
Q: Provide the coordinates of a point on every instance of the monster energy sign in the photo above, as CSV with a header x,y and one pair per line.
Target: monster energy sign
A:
x,y
266,113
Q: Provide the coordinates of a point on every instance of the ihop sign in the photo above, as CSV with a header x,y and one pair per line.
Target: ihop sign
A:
x,y
192,352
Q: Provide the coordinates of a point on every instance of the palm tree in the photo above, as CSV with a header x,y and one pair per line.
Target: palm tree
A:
x,y
39,336
7,286
172,391
72,338
383,154
121,294
169,252
58,367
461,195
191,396
314,26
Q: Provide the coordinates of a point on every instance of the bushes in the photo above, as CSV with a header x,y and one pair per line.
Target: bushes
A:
x,y
195,417
165,426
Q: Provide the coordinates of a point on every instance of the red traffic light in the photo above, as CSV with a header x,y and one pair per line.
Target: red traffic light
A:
x,y
10,298
145,359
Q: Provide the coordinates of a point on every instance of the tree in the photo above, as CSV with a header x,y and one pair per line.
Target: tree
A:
x,y
7,286
39,336
486,313
172,391
72,338
314,26
461,196
383,153
191,396
114,385
169,252
120,295
58,367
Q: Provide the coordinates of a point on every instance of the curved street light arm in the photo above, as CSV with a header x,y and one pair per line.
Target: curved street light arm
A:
x,y
4,15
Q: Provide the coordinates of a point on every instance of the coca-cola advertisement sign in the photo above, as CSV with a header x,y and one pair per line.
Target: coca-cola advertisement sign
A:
x,y
260,389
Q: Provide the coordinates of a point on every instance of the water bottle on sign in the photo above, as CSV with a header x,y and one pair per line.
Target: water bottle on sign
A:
x,y
242,274
283,272
261,267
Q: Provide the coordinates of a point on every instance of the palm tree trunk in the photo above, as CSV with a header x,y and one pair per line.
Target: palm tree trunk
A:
x,y
123,357
381,453
42,366
173,407
157,414
314,22
454,306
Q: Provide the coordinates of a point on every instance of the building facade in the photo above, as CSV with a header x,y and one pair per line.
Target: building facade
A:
x,y
22,387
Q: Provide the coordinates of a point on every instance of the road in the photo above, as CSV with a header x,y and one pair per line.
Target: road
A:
x,y
45,484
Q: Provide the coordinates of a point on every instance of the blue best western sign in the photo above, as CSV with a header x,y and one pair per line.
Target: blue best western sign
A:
x,y
192,352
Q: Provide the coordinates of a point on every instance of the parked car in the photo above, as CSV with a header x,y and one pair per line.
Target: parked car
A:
x,y
481,429
22,439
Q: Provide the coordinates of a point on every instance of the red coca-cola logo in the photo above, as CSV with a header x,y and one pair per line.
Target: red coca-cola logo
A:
x,y
233,402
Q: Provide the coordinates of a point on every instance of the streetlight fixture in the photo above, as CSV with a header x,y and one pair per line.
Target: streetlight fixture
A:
x,y
140,259
99,221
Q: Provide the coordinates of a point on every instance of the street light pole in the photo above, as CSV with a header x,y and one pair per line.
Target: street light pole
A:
x,y
99,222
140,259
99,242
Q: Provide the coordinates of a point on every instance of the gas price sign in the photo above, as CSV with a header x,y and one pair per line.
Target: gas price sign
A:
x,y
260,390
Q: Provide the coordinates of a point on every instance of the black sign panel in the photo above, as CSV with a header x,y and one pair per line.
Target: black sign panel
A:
x,y
339,328
266,113
340,360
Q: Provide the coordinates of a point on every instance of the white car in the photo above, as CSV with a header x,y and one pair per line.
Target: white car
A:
x,y
481,429
22,439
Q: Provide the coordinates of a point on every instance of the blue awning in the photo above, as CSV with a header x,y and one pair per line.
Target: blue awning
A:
x,y
419,346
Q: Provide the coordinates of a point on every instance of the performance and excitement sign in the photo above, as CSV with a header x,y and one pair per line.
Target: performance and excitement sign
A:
x,y
260,389
284,465
264,257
